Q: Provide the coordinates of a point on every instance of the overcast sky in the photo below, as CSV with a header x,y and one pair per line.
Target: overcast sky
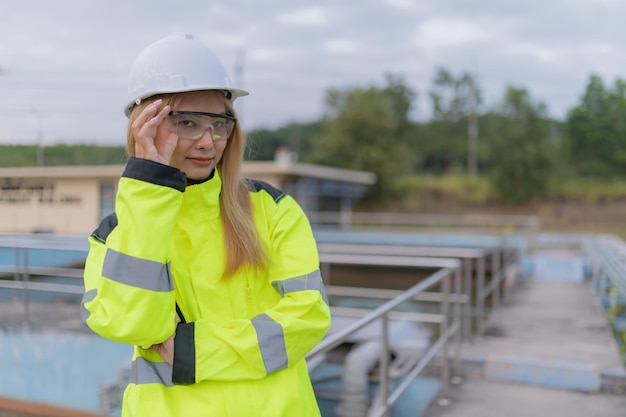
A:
x,y
64,63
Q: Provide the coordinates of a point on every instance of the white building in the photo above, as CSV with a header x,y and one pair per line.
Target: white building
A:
x,y
73,199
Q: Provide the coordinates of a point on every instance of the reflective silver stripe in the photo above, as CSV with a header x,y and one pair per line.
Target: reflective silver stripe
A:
x,y
142,371
87,297
137,272
271,342
312,281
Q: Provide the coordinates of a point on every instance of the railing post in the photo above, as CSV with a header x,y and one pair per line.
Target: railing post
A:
x,y
345,219
467,286
443,331
26,279
496,275
325,271
384,366
457,319
480,301
17,276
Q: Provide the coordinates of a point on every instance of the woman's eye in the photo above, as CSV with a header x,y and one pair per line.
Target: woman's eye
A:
x,y
218,125
186,123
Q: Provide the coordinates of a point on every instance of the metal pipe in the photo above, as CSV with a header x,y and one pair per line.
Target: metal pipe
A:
x,y
425,360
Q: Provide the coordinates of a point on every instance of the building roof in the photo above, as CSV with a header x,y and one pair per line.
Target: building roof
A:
x,y
249,169
308,170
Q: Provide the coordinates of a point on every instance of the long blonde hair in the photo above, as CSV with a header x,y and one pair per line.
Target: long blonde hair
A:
x,y
241,240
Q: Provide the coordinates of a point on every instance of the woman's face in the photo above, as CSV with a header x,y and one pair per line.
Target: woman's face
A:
x,y
195,157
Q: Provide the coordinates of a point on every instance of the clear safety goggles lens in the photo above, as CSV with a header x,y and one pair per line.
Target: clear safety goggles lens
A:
x,y
193,125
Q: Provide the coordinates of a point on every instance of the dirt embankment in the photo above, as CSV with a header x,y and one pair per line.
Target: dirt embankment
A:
x,y
601,216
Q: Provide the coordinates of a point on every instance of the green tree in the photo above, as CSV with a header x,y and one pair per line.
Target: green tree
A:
x,y
449,141
368,129
521,152
295,137
596,131
55,155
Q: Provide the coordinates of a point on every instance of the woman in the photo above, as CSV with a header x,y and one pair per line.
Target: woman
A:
x,y
214,279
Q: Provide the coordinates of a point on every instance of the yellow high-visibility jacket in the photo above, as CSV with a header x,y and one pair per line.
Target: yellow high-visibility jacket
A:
x,y
240,350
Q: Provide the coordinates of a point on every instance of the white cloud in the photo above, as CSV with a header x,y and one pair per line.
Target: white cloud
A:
x,y
267,55
342,46
535,52
314,16
70,58
559,52
449,33
409,5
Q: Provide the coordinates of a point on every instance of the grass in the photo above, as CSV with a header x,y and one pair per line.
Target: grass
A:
x,y
458,187
589,190
574,205
479,190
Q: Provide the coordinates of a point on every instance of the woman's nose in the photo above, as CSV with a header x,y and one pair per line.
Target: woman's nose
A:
x,y
206,140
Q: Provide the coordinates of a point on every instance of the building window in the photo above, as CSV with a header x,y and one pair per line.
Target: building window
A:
x,y
107,199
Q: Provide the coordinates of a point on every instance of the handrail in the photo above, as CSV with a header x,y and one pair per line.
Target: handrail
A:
x,y
501,262
44,241
448,330
338,338
44,286
492,222
430,251
611,255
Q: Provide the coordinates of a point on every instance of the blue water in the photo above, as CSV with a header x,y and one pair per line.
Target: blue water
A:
x,y
573,269
59,368
42,257
50,367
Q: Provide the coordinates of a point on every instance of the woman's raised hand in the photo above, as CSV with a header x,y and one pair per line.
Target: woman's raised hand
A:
x,y
151,142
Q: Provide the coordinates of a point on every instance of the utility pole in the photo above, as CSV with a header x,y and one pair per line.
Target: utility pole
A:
x,y
40,154
40,151
239,76
472,131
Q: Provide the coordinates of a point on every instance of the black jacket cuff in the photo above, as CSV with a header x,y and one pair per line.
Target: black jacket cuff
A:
x,y
155,173
184,372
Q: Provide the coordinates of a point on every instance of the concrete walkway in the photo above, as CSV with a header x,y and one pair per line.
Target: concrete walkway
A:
x,y
547,351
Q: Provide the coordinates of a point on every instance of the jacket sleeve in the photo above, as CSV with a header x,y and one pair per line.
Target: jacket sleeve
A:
x,y
129,295
280,336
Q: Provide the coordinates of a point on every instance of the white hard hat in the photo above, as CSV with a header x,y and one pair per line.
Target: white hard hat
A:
x,y
175,64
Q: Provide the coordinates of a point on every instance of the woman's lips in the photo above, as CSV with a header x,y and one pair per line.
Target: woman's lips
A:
x,y
202,162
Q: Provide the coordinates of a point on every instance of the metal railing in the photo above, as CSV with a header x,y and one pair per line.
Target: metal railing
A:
x,y
452,275
448,319
504,265
24,269
609,257
518,224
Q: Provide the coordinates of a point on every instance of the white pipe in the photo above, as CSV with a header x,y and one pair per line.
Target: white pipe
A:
x,y
359,362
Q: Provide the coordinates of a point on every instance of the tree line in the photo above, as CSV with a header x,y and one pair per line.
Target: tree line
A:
x,y
513,143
